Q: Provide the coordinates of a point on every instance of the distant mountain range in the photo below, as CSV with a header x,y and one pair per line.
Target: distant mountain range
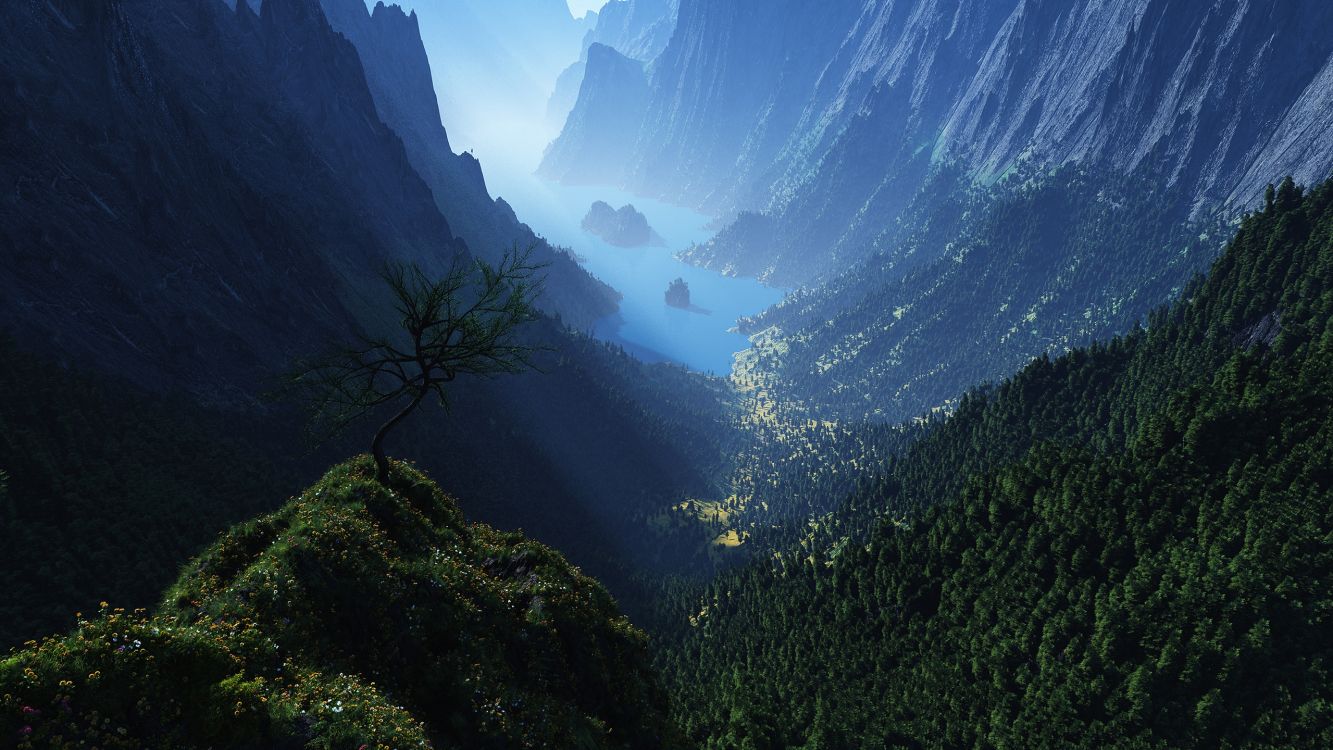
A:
x,y
496,64
956,186
638,29
828,117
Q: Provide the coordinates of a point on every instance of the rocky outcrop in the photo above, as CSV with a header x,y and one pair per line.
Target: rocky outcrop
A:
x,y
1262,333
678,294
625,227
385,586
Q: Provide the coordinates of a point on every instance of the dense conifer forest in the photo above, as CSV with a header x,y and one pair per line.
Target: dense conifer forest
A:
x,y
1127,546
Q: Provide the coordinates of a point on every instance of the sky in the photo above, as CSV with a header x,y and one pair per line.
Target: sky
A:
x,y
580,7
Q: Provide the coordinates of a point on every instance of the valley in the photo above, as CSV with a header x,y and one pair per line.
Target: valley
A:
x,y
959,378
647,328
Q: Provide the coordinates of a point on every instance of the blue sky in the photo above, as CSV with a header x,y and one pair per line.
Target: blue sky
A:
x,y
579,7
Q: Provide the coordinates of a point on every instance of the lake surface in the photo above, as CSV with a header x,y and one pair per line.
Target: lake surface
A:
x,y
646,325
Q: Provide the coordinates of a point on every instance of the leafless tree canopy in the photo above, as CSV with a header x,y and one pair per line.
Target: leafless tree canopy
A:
x,y
464,323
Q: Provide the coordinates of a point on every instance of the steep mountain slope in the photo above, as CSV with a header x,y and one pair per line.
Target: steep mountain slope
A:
x,y
1124,547
95,472
606,119
195,205
948,178
830,119
109,488
162,202
496,64
1041,262
319,74
399,75
637,29
357,615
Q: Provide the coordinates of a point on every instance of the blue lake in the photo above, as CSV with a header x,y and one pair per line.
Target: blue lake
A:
x,y
646,325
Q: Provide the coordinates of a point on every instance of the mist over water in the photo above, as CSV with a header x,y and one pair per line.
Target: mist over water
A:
x,y
646,325
493,104
495,65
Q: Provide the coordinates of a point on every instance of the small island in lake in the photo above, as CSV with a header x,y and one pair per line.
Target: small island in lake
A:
x,y
625,227
678,294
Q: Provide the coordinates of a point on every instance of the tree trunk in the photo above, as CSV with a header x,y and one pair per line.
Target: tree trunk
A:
x,y
377,445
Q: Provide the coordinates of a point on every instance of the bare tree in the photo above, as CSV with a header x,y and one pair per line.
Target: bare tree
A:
x,y
464,323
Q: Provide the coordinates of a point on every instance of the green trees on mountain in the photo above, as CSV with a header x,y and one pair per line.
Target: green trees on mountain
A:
x,y
1047,260
110,489
1129,546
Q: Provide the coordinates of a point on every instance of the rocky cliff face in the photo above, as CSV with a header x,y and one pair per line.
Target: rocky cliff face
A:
x,y
399,77
638,29
321,75
600,136
726,69
170,214
1193,87
394,36
496,63
830,118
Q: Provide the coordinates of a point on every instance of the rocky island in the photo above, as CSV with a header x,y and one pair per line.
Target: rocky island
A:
x,y
625,227
678,294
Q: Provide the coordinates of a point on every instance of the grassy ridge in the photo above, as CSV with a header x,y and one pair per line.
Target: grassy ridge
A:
x,y
357,615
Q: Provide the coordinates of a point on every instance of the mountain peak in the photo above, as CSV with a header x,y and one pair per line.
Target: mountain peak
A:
x,y
393,13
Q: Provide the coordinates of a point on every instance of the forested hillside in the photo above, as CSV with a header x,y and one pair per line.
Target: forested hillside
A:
x,y
1042,262
1127,546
